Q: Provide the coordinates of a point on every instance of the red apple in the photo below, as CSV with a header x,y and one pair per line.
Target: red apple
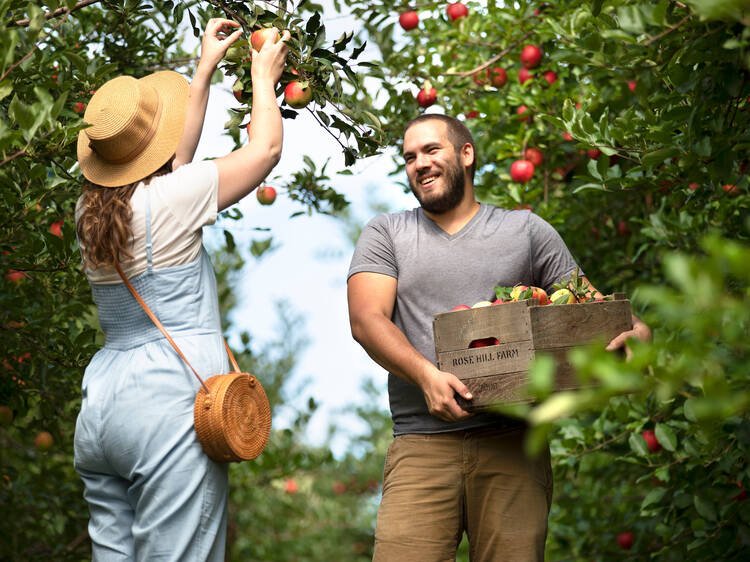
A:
x,y
693,186
79,107
531,56
456,11
461,307
540,295
6,415
498,76
567,136
290,486
521,171
297,94
622,228
266,195
631,85
56,228
427,96
742,496
483,342
730,189
594,153
338,487
524,74
653,443
408,20
534,155
43,441
472,114
625,540
498,301
550,76
521,110
480,78
15,276
260,36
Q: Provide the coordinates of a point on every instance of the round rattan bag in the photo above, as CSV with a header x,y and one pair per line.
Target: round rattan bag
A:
x,y
232,419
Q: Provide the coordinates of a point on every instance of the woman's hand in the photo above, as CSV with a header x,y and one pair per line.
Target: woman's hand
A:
x,y
215,41
269,62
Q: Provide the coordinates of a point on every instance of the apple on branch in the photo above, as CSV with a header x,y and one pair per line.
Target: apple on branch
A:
x,y
550,76
534,155
297,94
498,76
408,20
266,195
427,95
456,11
531,56
524,75
521,171
260,36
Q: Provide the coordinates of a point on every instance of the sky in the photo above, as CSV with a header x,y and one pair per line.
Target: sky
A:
x,y
308,269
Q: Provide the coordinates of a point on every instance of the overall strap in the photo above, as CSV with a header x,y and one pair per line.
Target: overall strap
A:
x,y
149,257
158,324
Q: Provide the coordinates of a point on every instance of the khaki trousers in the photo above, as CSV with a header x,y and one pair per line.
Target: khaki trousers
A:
x,y
437,486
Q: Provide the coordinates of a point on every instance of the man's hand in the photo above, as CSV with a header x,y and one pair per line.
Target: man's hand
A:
x,y
640,331
439,388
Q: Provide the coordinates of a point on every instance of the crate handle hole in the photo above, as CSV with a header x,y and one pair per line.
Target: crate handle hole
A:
x,y
484,342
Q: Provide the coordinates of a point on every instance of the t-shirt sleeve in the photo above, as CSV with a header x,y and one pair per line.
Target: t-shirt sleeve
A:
x,y
550,258
374,252
191,194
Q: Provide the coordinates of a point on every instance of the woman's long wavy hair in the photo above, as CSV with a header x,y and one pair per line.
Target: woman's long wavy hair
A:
x,y
104,228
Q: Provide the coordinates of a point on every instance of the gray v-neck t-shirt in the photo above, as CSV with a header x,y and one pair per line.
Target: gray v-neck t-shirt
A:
x,y
437,271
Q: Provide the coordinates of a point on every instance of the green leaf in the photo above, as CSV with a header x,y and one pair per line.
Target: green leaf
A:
x,y
705,508
666,437
5,89
638,444
585,186
21,113
568,110
542,376
654,496
689,410
656,157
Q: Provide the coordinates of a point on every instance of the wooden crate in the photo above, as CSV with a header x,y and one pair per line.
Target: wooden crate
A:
x,y
497,374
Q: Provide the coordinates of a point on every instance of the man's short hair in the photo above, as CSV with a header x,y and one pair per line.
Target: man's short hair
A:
x,y
458,133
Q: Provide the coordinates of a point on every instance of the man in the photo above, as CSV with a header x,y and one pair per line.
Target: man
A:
x,y
448,471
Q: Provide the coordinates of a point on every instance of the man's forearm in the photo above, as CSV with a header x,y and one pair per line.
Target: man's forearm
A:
x,y
388,346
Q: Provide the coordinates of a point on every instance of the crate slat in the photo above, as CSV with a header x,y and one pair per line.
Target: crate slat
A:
x,y
507,322
575,324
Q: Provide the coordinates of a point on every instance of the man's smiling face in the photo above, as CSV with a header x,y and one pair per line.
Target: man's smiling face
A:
x,y
433,166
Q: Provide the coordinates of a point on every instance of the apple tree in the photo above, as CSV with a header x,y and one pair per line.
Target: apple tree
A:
x,y
632,120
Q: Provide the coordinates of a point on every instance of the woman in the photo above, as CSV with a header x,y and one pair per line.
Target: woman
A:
x,y
152,492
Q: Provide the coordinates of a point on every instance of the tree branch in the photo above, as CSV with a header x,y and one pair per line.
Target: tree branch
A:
x,y
56,13
494,59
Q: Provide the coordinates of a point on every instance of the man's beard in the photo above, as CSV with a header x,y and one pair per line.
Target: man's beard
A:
x,y
451,197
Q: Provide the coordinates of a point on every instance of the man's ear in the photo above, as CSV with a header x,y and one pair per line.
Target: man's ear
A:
x,y
467,155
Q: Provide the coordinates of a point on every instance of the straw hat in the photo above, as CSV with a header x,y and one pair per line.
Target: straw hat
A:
x,y
136,127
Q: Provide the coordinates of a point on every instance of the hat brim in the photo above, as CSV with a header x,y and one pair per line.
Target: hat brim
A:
x,y
172,88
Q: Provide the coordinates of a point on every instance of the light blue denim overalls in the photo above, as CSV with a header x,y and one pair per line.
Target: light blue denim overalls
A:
x,y
152,492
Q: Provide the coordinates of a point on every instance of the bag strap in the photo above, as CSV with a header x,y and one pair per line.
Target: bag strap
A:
x,y
163,330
